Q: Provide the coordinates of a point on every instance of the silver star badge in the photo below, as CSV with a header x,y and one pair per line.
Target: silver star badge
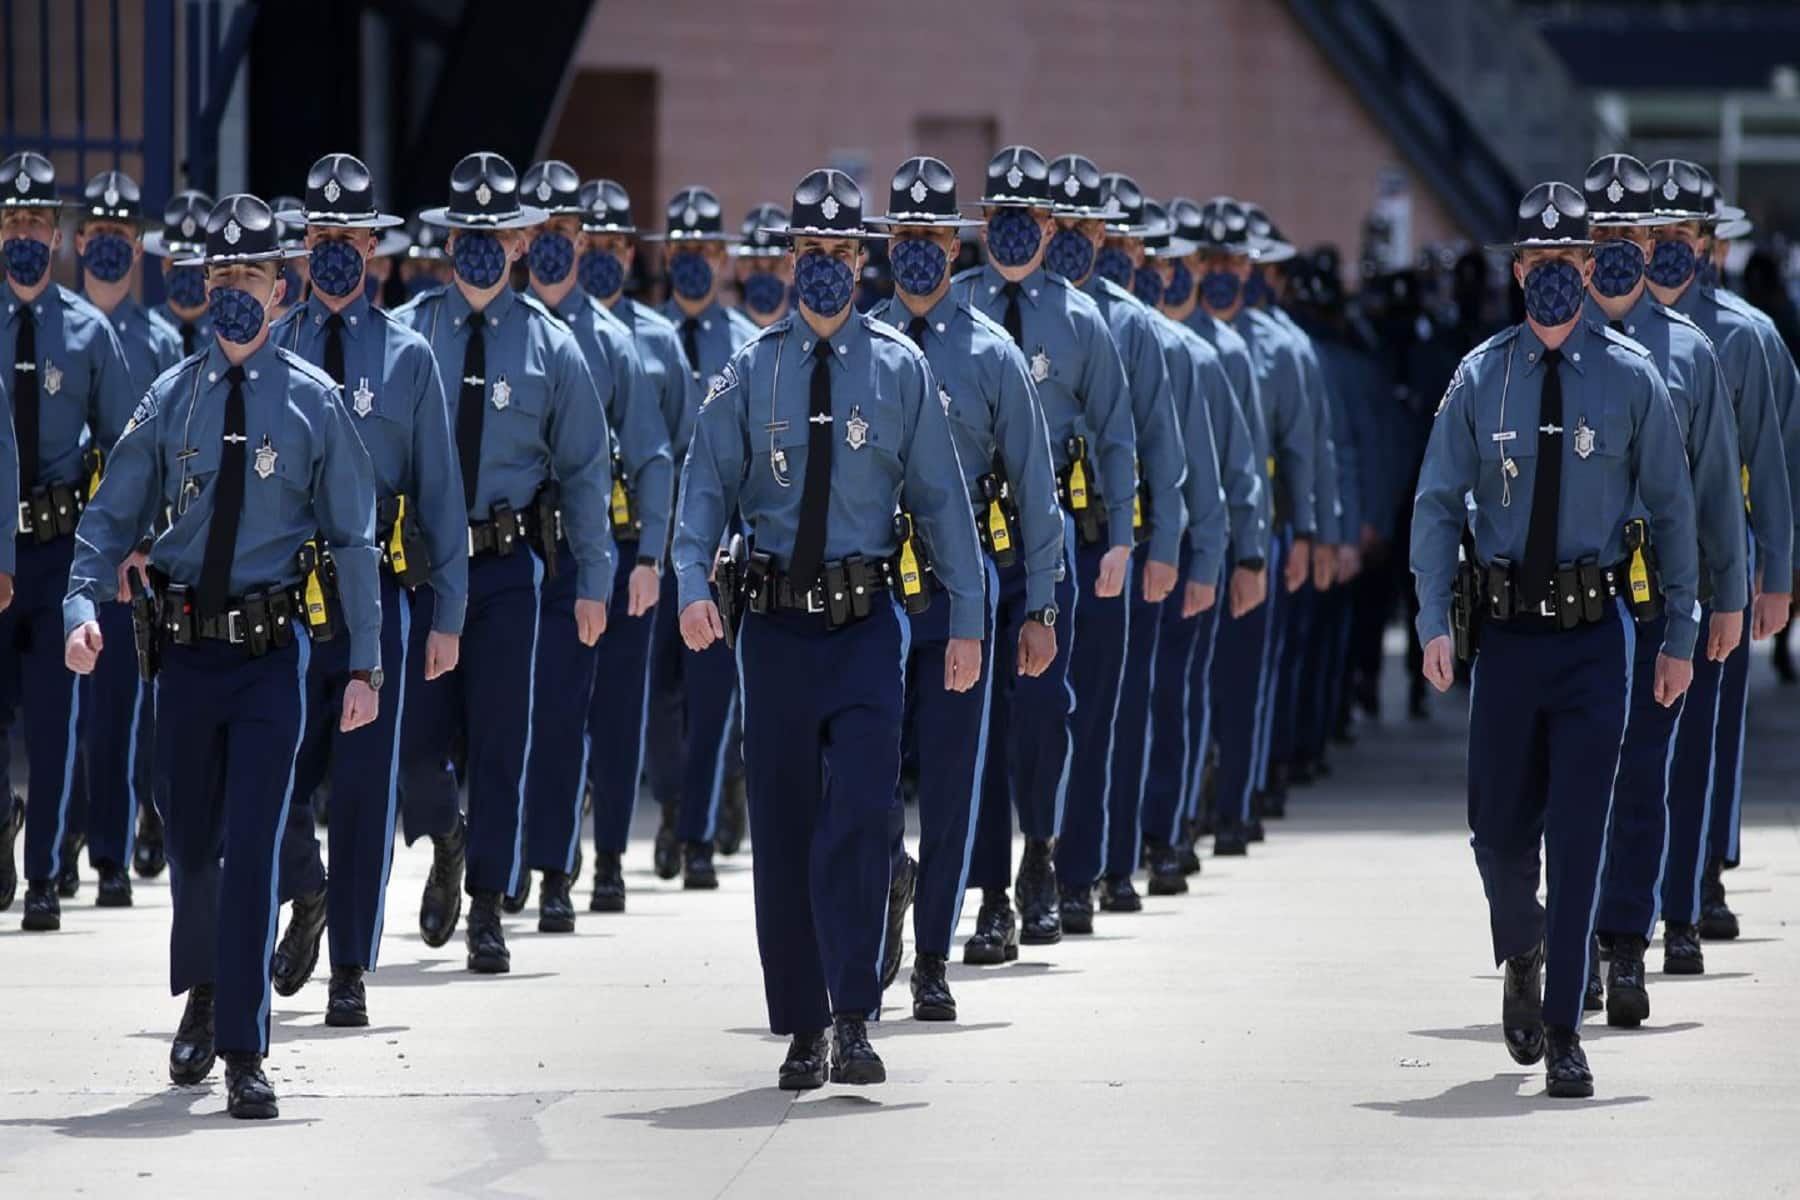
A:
x,y
829,208
1615,191
856,430
1040,366
1014,176
1551,217
111,196
918,192
1218,231
690,216
502,393
22,181
1071,185
1671,189
362,400
1584,438
483,194
543,189
232,233
265,458
187,227
332,191
52,379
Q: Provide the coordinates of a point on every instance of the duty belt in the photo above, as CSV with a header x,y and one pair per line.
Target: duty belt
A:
x,y
260,621
52,511
1576,596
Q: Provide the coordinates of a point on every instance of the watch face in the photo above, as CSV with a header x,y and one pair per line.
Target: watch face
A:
x,y
375,679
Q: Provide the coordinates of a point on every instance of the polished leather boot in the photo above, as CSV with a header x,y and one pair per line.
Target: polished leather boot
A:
x,y
347,1007
9,866
1681,950
609,884
806,1063
43,911
1717,922
191,1053
248,1096
932,1000
1627,994
147,852
903,884
734,815
1274,805
1566,1073
667,856
853,1059
1231,841
697,871
1076,907
1186,849
68,880
1593,998
513,903
1166,876
996,938
556,912
1040,918
115,887
1118,896
1522,1006
442,902
298,952
488,954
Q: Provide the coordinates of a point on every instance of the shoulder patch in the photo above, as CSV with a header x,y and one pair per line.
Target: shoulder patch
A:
x,y
145,411
723,382
1456,380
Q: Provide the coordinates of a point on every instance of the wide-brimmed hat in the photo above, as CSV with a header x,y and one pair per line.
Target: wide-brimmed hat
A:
x,y
1077,189
184,225
1678,190
1266,242
484,195
606,207
827,204
756,240
340,193
1219,224
111,196
1017,177
555,186
923,192
1618,193
1161,231
27,180
240,229
1126,201
1552,216
693,214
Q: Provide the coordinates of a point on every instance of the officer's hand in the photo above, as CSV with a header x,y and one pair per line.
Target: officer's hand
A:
x,y
1159,580
1037,648
641,590
1111,580
1349,563
134,561
1673,675
1299,562
590,620
361,703
1248,589
1723,635
1324,565
1197,598
442,652
700,625
1371,539
1438,669
82,650
6,591
1769,614
962,664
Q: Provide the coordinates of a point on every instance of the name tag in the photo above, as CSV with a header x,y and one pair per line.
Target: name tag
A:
x,y
1505,435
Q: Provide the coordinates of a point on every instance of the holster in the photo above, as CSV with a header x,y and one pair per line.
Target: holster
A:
x,y
910,565
1644,574
759,582
1140,510
318,584
626,525
1501,602
178,614
997,517
728,581
1077,493
546,513
403,543
1465,610
144,626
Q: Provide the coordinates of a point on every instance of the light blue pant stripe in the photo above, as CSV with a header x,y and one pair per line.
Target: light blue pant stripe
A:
x,y
1112,721
303,644
905,625
1712,766
131,758
981,743
1662,866
1066,623
587,750
393,792
68,779
537,599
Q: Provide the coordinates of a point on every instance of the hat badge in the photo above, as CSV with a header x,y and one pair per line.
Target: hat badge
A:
x,y
690,216
111,196
1615,191
1071,185
918,191
483,195
187,226
22,181
1671,189
232,233
543,189
1014,176
1218,230
1551,217
829,208
332,191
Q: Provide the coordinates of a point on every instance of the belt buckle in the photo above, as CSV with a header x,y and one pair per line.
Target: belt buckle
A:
x,y
815,600
234,626
471,541
25,525
1544,609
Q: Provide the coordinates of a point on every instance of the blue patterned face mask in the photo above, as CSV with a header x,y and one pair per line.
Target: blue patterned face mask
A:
x,y
1220,289
1070,255
1672,264
601,274
336,268
550,257
107,258
186,287
479,258
237,316
824,283
1114,264
291,294
26,259
1179,287
1553,293
764,293
1013,236
1618,265
918,265
690,275
1147,285
1257,292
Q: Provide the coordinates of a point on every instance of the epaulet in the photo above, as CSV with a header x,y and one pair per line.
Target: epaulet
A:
x,y
539,307
1504,338
420,300
280,325
982,319
778,326
1118,293
966,274
1618,339
881,329
316,374
147,406
77,303
1076,296
649,314
1674,317
1739,305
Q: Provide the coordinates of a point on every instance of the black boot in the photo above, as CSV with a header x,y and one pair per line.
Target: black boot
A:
x,y
609,884
68,880
1274,805
1627,995
1566,1074
298,952
1117,895
697,871
9,866
1187,852
147,853
115,887
902,885
734,812
191,1053
1522,1006
1166,875
932,1000
1681,950
1593,999
556,912
853,1059
347,1007
996,938
1076,907
806,1062
667,858
1717,922
488,954
1040,920
248,1096
43,912
1231,841
442,902
513,903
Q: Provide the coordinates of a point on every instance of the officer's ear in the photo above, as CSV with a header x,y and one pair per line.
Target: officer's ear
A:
x,y
1518,270
1587,267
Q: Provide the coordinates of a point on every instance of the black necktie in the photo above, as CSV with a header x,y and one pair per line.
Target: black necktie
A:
x,y
334,347
187,338
815,494
690,344
25,400
1546,492
228,503
471,409
1015,324
916,331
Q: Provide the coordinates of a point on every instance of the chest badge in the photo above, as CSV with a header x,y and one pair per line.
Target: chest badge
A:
x,y
502,393
944,399
362,400
52,379
856,430
1040,366
1584,438
265,458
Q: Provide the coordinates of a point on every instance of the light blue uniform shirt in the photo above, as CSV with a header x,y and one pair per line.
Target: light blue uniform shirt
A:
x,y
1785,380
150,346
664,366
1208,518
84,382
718,332
202,326
1289,416
1234,354
892,449
1328,505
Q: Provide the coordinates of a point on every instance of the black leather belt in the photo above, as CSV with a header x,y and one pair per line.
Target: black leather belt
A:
x,y
52,511
502,535
261,621
845,592
1576,596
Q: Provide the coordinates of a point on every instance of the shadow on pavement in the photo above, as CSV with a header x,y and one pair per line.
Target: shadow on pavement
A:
x,y
881,1030
1593,1031
165,1115
1496,1097
759,1108
435,972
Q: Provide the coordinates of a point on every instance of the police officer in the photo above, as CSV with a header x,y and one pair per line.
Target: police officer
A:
x,y
290,219
525,413
638,511
816,432
618,714
390,386
71,391
1705,777
117,711
693,698
425,263
1554,425
183,234
250,454
1087,410
1621,212
765,273
985,389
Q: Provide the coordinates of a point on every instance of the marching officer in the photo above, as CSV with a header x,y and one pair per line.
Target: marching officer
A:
x,y
117,711
247,450
425,264
985,389
290,218
71,392
816,432
390,386
693,697
638,509
765,273
1087,411
183,233
526,416
1555,425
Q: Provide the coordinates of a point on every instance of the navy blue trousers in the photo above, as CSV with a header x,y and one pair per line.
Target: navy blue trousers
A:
x,y
225,748
1321,677
1097,673
1200,711
556,775
952,730
1132,725
31,637
693,707
115,722
1177,713
1239,683
620,708
1693,785
1029,741
1723,827
1298,626
364,769
1547,716
1638,842
822,713
487,702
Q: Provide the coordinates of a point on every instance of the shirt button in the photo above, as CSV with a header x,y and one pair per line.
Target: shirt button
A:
x,y
806,347
843,349
493,321
1531,356
1576,356
253,373
212,377
940,327
352,320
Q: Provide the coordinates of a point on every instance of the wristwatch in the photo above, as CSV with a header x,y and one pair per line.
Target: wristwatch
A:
x,y
1253,564
651,561
372,678
1045,616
